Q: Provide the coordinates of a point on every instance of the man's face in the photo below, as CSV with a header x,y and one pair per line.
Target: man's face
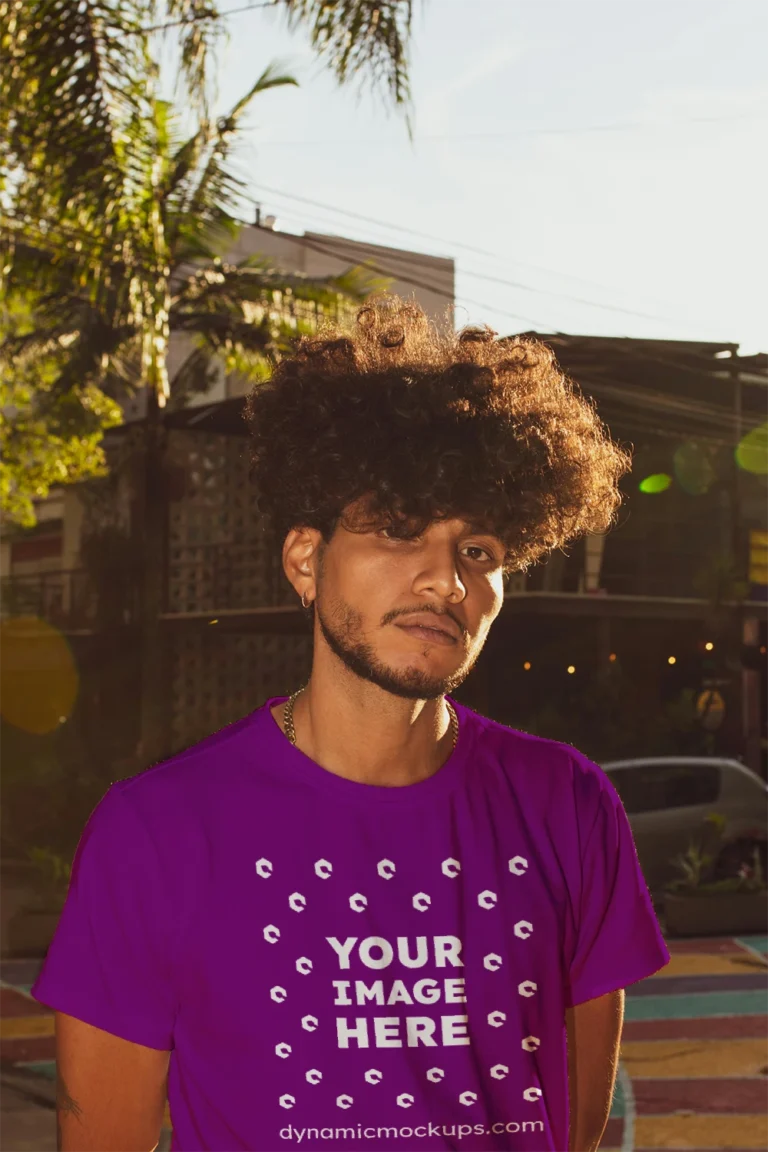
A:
x,y
380,599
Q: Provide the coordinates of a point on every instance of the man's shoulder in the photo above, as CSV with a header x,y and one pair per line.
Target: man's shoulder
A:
x,y
513,748
196,773
537,760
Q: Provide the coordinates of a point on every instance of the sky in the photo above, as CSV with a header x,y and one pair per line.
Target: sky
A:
x,y
594,166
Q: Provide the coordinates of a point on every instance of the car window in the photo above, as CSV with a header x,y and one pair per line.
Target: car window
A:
x,y
657,787
686,785
640,788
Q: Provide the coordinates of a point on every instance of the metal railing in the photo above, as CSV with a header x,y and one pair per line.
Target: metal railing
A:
x,y
235,576
645,568
67,598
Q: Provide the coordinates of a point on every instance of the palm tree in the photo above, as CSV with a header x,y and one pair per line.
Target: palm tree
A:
x,y
115,228
157,267
104,295
74,73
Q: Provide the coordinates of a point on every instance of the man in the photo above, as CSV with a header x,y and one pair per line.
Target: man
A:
x,y
366,917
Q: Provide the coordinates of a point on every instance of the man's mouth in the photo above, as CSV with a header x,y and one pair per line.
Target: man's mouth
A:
x,y
435,634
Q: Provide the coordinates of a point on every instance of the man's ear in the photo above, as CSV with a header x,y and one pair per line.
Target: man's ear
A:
x,y
302,549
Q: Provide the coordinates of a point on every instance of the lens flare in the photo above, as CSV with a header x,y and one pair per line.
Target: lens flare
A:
x,y
752,451
652,485
693,469
38,675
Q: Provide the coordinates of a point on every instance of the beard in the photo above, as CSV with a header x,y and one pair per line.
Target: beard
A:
x,y
342,630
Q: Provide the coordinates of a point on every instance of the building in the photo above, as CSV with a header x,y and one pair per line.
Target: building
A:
x,y
76,568
628,616
667,613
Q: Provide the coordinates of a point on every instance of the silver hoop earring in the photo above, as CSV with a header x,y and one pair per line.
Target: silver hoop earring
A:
x,y
305,606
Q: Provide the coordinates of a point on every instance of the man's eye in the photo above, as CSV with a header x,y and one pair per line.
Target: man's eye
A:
x,y
486,555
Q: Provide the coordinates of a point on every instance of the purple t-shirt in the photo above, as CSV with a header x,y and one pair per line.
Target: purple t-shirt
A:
x,y
336,965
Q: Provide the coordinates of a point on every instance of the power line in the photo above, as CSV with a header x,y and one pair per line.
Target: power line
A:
x,y
350,250
537,324
418,259
393,227
205,16
648,357
512,133
477,251
650,399
403,278
427,260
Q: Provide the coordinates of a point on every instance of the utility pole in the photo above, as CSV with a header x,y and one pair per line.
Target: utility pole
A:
x,y
749,627
151,535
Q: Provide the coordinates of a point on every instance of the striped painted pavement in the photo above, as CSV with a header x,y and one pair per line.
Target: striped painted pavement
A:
x,y
694,1056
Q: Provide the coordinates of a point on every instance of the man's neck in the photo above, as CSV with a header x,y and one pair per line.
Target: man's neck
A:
x,y
357,730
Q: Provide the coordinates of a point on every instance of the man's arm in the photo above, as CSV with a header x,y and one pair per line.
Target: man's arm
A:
x,y
594,1035
110,1093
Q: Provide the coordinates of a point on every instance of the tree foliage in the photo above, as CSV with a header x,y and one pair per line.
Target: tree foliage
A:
x,y
117,223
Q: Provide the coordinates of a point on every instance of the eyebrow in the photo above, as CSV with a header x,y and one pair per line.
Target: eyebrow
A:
x,y
482,529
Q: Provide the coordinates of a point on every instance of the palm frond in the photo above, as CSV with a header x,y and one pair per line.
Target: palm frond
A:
x,y
360,38
73,75
216,189
201,31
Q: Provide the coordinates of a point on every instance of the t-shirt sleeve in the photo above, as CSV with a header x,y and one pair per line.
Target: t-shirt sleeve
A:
x,y
109,962
618,940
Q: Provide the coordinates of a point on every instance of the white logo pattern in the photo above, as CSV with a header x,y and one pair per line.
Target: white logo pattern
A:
x,y
492,962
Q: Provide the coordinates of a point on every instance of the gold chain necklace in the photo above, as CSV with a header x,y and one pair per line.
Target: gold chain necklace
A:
x,y
290,730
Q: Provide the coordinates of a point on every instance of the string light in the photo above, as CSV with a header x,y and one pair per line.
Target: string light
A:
x,y
612,657
709,645
571,669
527,665
672,660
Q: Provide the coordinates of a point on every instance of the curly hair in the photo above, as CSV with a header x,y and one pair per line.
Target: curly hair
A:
x,y
413,424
